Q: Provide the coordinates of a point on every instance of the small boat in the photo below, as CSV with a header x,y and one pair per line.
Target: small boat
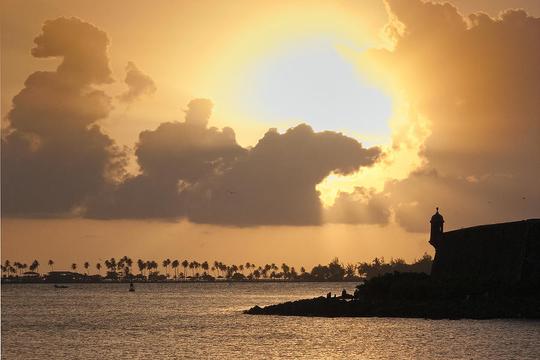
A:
x,y
60,286
131,287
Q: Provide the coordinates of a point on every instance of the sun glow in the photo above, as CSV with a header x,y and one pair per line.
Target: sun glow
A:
x,y
317,81
313,82
309,69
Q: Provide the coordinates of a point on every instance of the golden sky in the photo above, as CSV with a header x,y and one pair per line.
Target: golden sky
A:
x,y
332,128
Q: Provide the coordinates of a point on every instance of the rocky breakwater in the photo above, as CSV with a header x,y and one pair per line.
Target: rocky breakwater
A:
x,y
412,295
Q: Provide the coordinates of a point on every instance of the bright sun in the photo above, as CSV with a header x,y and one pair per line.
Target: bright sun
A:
x,y
313,82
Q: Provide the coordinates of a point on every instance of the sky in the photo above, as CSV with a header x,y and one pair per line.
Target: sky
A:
x,y
263,131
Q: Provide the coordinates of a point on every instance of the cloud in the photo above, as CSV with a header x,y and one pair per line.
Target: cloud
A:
x,y
82,47
363,206
172,159
274,182
201,173
476,79
54,155
56,161
139,84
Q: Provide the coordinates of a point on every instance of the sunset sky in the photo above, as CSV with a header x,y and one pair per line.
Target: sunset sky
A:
x,y
263,131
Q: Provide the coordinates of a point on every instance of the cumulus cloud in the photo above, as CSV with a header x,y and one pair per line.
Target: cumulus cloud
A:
x,y
82,46
56,161
172,158
363,206
274,183
201,173
494,198
476,79
54,156
139,84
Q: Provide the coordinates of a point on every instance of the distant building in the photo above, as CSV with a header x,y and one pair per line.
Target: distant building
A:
x,y
30,274
505,253
64,276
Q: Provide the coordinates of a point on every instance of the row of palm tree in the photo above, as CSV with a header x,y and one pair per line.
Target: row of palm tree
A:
x,y
17,268
191,268
123,267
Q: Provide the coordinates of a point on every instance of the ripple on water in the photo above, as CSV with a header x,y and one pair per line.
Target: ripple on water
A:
x,y
170,321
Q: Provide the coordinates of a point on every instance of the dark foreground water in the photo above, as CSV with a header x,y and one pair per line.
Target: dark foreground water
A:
x,y
181,321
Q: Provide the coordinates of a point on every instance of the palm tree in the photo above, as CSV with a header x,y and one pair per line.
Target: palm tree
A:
x,y
113,264
152,265
120,264
34,266
98,267
265,270
166,264
222,268
185,264
51,263
192,266
7,266
129,263
17,266
149,267
257,274
86,266
141,265
293,274
285,269
205,266
74,266
174,265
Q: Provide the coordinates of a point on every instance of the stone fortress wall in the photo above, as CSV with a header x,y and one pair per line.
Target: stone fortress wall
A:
x,y
505,253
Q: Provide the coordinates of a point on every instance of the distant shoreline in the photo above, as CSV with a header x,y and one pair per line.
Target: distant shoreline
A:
x,y
25,282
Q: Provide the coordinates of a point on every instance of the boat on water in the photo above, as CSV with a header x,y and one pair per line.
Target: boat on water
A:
x,y
60,286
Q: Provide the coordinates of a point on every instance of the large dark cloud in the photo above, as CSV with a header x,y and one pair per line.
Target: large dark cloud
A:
x,y
274,183
54,156
56,160
477,80
172,159
190,170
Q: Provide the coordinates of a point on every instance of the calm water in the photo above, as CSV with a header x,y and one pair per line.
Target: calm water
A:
x,y
172,321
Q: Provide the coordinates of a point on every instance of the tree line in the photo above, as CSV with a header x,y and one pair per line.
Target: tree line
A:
x,y
126,268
